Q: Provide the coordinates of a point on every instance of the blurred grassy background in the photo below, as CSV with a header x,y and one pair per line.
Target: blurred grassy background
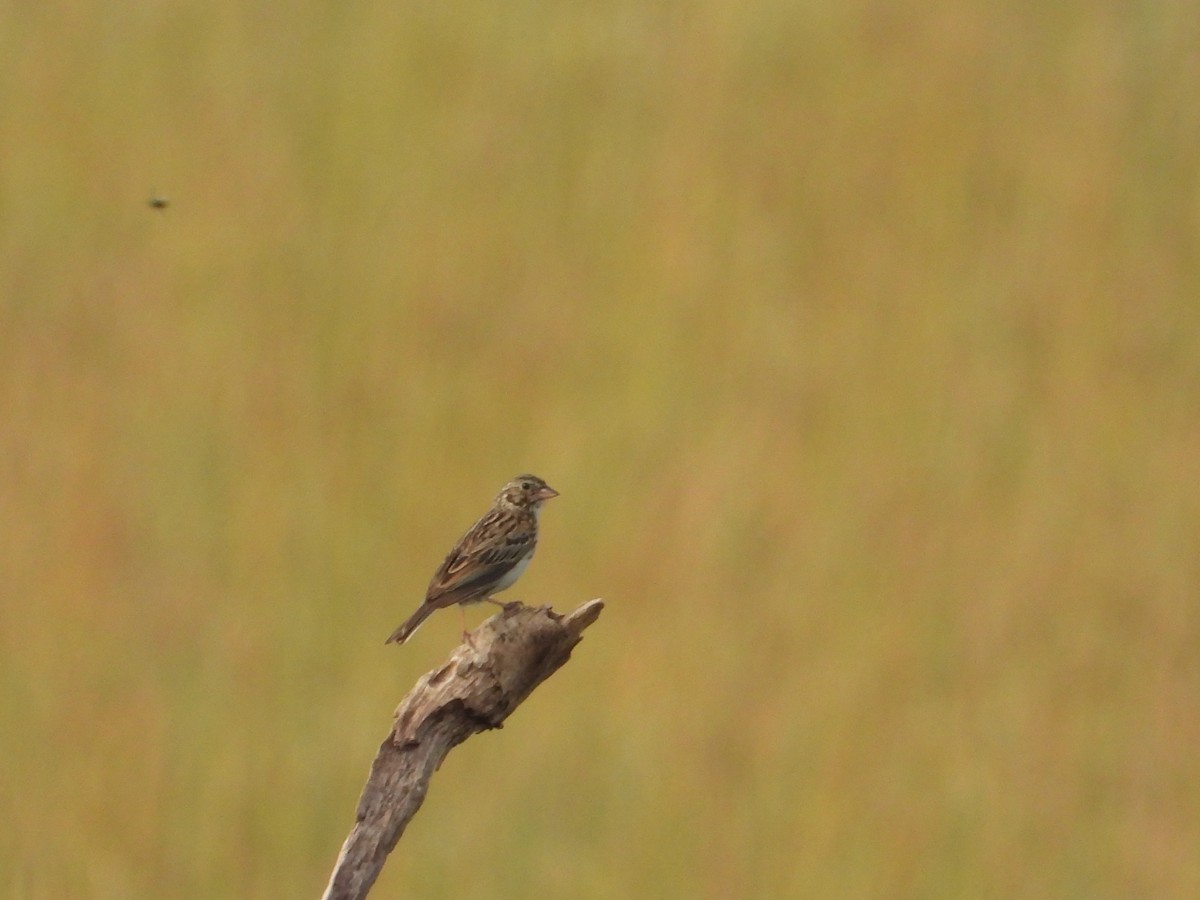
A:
x,y
861,339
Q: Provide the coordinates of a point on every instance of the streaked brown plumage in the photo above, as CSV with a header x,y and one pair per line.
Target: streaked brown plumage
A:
x,y
490,557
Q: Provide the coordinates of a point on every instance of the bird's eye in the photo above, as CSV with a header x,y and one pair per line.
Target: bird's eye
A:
x,y
527,485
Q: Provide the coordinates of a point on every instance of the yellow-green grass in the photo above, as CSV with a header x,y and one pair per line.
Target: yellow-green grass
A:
x,y
861,339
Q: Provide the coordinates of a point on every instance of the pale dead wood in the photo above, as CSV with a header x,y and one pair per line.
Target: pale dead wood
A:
x,y
474,690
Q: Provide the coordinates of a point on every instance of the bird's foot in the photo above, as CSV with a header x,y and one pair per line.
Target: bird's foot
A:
x,y
507,607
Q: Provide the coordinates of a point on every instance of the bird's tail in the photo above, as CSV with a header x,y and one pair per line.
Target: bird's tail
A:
x,y
409,628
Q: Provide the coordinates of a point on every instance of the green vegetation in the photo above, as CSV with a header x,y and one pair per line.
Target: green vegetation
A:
x,y
862,340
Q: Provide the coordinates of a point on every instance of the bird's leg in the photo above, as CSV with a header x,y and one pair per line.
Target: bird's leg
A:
x,y
462,611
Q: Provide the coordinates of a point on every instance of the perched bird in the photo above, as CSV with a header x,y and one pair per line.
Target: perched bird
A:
x,y
490,557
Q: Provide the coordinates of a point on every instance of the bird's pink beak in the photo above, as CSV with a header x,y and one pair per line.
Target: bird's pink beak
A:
x,y
545,493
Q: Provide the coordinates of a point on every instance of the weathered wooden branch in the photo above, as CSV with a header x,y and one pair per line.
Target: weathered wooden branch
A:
x,y
474,690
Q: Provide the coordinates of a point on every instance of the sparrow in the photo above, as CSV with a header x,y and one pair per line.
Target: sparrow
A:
x,y
490,557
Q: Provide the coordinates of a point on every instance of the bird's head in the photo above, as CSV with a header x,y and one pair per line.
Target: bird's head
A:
x,y
526,492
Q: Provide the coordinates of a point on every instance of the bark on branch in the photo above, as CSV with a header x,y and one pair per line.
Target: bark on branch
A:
x,y
474,690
